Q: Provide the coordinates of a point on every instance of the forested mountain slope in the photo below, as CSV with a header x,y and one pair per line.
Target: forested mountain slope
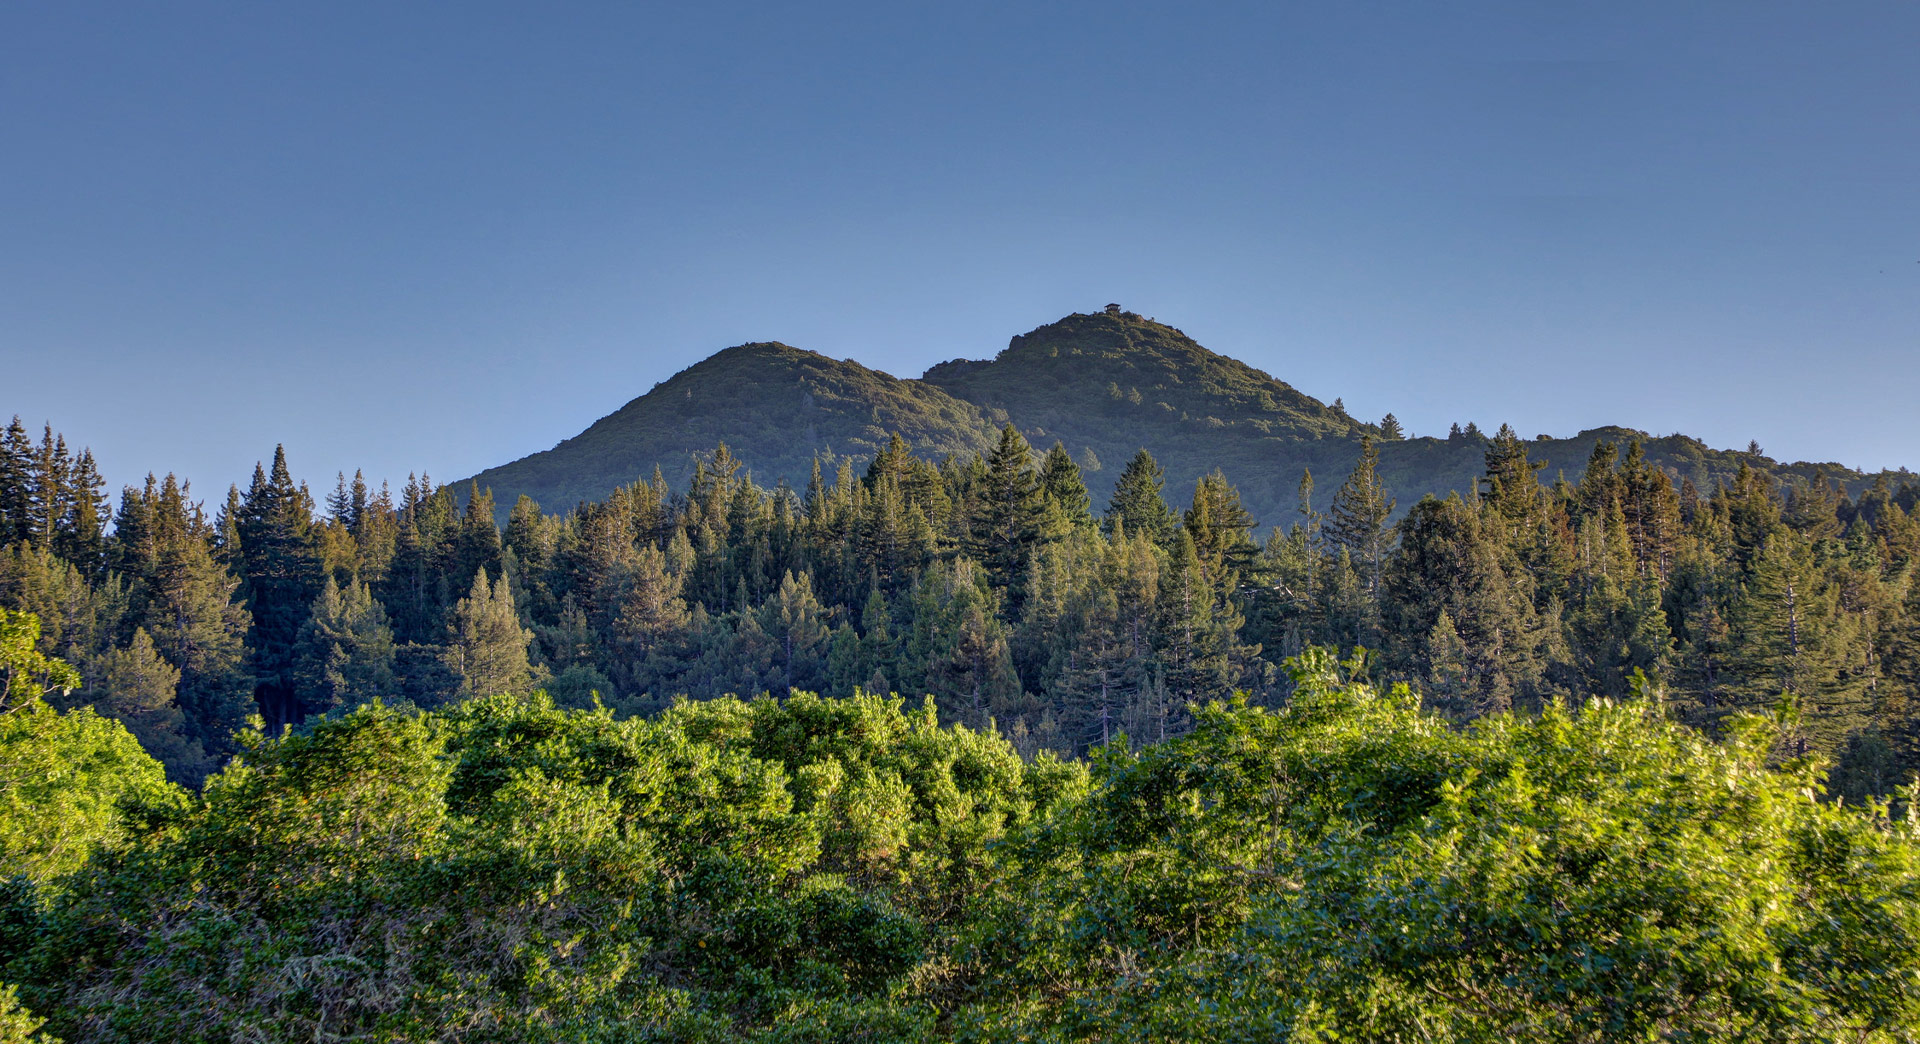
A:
x,y
777,406
1104,385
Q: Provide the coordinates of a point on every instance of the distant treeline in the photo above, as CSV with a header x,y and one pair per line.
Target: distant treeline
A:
x,y
988,581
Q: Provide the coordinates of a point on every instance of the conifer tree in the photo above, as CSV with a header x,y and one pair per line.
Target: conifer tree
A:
x,y
1788,638
1064,490
652,611
1221,530
140,689
1650,509
1446,665
960,645
376,534
1139,504
282,573
190,604
16,483
1199,655
486,646
340,502
1008,515
81,538
345,653
476,540
1513,494
1358,522
50,491
79,619
796,621
1448,562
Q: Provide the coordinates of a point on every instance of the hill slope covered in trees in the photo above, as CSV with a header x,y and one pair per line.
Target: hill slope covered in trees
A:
x,y
1104,385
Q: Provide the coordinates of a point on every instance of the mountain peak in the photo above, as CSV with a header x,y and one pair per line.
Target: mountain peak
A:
x,y
1104,384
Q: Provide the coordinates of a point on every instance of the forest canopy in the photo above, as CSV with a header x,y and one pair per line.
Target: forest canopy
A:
x,y
1350,866
1614,759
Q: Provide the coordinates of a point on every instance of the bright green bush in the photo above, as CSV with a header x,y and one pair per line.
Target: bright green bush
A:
x,y
1349,867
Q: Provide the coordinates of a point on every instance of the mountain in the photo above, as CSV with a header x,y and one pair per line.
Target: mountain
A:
x,y
1103,384
775,406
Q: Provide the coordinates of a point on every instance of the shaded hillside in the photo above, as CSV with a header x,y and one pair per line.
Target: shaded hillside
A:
x,y
1102,384
1115,381
1415,467
774,405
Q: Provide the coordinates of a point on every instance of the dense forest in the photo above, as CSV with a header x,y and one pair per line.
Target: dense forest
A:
x,y
987,581
1596,760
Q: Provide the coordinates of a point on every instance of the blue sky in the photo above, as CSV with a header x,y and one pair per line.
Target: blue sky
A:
x,y
442,236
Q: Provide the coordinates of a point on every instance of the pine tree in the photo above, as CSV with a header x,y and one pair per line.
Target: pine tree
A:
x,y
1007,519
958,651
140,689
376,533
340,502
1200,656
1138,503
81,538
1390,429
796,621
1446,666
1650,508
1064,490
1788,638
416,588
1448,562
1221,531
345,653
282,572
476,540
50,491
16,483
79,620
1513,495
1358,522
190,604
486,646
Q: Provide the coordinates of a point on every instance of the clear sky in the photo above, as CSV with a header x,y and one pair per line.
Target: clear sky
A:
x,y
442,236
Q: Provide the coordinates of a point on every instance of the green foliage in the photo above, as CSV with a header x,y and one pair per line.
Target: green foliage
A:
x,y
65,778
1350,868
509,870
25,674
17,1024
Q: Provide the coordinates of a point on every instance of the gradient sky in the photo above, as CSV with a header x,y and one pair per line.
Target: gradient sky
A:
x,y
442,236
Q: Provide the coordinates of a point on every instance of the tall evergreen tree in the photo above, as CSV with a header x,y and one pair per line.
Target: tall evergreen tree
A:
x,y
190,605
796,621
1789,639
1358,521
1221,531
1064,490
140,689
345,653
486,646
16,483
1139,504
1007,519
282,573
